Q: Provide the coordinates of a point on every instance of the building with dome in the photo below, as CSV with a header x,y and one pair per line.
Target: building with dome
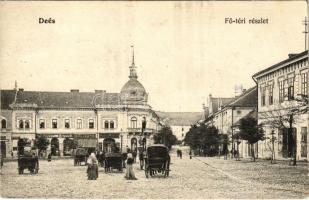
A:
x,y
98,119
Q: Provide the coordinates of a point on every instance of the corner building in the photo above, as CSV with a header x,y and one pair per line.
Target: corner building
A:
x,y
97,119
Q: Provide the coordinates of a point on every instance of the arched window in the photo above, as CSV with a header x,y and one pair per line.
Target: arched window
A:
x,y
106,125
27,124
3,123
133,122
21,124
111,124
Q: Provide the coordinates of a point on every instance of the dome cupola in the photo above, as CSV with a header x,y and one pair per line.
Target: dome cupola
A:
x,y
133,92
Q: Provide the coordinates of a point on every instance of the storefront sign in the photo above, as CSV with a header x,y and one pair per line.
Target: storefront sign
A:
x,y
109,135
48,135
66,135
85,136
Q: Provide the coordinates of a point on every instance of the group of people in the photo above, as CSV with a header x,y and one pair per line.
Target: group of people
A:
x,y
92,169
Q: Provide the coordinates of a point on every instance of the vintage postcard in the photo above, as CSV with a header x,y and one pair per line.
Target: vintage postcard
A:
x,y
154,99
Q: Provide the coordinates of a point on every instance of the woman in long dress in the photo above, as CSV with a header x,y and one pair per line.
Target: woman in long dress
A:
x,y
92,170
129,169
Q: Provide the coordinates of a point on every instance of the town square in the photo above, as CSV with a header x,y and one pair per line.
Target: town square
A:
x,y
154,100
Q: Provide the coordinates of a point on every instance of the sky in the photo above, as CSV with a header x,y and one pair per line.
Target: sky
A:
x,y
184,51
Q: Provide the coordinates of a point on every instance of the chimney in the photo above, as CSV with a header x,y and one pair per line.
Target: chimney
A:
x,y
74,90
21,89
291,55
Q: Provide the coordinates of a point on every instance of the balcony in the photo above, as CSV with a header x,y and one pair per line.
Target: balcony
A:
x,y
139,130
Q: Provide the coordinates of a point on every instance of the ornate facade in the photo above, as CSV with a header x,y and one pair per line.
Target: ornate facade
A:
x,y
92,119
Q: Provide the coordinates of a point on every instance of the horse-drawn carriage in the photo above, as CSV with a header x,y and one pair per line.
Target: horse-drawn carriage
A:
x,y
113,161
28,159
157,160
80,155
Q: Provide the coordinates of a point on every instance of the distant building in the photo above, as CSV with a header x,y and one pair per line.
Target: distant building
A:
x,y
226,113
282,90
93,119
180,122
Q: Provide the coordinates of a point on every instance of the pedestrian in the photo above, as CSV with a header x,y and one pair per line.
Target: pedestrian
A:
x,y
180,154
129,169
141,159
12,154
92,170
190,153
134,154
49,157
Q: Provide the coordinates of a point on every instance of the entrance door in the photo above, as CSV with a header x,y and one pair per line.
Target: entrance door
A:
x,y
3,149
287,143
54,144
109,145
134,145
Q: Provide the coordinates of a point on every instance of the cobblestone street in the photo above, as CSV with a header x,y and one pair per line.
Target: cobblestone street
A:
x,y
199,177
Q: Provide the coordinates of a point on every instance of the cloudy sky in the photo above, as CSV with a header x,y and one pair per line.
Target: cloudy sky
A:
x,y
183,50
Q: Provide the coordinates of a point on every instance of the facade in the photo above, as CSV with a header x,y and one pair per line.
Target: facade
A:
x,y
180,122
227,114
91,119
283,96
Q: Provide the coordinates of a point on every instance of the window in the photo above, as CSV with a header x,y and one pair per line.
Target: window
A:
x,y
54,123
42,123
21,124
79,124
281,91
67,123
304,89
133,122
27,124
112,124
106,124
271,94
263,96
91,123
290,88
3,124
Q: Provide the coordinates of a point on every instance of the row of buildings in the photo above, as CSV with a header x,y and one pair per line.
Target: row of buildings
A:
x,y
93,119
279,101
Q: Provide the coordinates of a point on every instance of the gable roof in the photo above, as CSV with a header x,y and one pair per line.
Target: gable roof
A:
x,y
57,99
180,118
247,99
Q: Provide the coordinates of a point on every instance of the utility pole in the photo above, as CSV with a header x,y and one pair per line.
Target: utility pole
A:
x,y
305,23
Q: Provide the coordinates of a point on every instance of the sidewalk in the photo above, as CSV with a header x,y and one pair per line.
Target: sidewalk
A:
x,y
262,172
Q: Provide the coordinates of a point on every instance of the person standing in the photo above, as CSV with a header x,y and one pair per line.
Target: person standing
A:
x,y
129,170
92,170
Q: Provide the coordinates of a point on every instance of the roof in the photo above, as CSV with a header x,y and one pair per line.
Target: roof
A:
x,y
249,98
294,57
217,102
7,97
57,99
180,118
252,114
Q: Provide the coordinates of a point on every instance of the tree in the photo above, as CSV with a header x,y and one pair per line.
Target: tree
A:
x,y
250,131
41,143
165,136
203,138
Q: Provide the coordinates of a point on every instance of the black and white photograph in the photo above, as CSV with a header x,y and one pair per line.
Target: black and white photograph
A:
x,y
154,99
